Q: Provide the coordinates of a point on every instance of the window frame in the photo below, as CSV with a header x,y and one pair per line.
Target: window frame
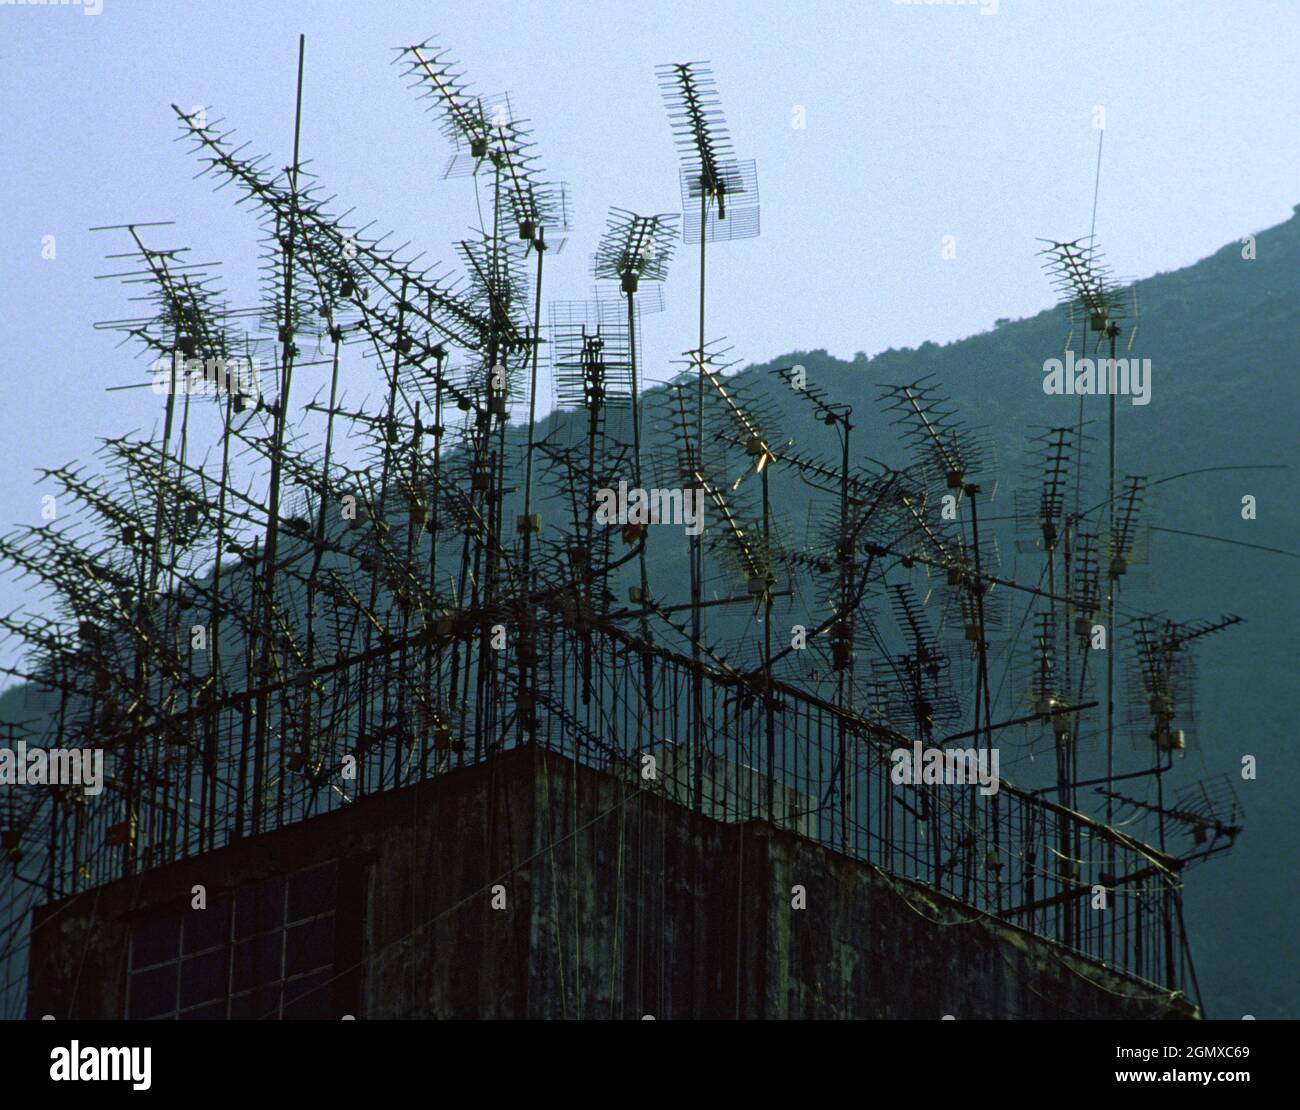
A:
x,y
281,983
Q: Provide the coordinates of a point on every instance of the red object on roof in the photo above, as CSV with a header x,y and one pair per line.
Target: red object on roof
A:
x,y
121,833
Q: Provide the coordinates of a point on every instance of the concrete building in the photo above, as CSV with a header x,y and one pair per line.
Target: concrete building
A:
x,y
534,887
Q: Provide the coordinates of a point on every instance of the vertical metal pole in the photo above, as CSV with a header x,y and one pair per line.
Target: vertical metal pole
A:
x,y
273,498
697,554
768,711
845,682
647,664
1110,632
972,491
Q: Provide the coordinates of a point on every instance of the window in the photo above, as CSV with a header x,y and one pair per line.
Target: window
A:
x,y
265,950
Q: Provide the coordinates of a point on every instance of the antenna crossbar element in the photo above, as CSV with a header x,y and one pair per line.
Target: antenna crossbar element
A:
x,y
719,192
635,248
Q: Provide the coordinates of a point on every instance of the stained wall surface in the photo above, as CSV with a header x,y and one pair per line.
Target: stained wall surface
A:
x,y
531,887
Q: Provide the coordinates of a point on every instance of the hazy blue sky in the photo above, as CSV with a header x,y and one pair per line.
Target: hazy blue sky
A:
x,y
921,122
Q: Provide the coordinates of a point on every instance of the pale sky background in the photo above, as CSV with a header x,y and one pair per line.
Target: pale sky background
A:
x,y
921,122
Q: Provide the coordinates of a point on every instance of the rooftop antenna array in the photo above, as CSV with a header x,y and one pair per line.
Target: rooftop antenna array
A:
x,y
1097,304
712,181
236,608
1083,281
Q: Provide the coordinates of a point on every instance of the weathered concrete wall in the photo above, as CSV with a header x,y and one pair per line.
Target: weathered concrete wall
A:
x,y
434,945
696,919
80,945
616,903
